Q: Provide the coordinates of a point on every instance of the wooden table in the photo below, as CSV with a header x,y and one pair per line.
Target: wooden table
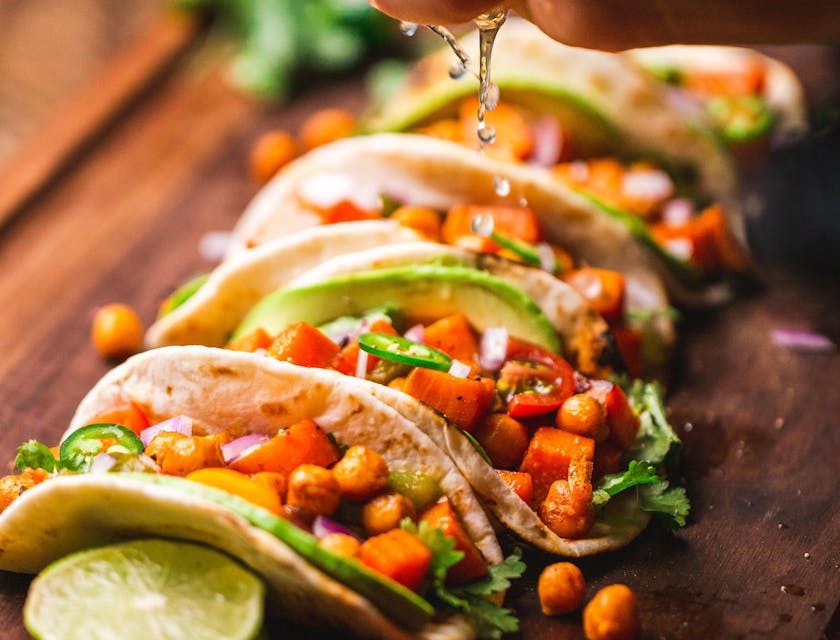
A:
x,y
761,557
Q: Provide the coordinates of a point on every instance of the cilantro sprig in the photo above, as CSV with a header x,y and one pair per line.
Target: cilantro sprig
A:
x,y
472,600
36,455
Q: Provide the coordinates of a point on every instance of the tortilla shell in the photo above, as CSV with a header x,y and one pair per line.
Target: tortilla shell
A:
x,y
213,312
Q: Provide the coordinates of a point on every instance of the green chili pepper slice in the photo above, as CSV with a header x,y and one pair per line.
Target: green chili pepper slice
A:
x,y
398,349
84,444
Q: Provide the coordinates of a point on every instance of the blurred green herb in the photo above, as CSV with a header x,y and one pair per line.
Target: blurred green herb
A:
x,y
278,40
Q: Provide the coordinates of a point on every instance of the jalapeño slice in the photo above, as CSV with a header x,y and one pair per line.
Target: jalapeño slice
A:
x,y
84,444
398,349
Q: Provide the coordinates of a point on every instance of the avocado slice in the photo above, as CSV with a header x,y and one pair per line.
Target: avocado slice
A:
x,y
424,292
397,602
182,294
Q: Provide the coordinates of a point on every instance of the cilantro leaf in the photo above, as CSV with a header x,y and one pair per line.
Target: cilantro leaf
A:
x,y
656,442
671,505
638,473
489,619
35,455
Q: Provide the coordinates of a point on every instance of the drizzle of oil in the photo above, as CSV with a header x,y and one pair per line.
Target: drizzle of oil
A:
x,y
793,590
488,27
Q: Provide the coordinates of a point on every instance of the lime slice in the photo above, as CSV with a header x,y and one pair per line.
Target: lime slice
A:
x,y
145,589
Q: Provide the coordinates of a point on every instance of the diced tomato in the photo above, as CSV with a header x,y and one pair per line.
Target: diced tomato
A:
x,y
623,421
454,336
126,414
250,342
608,459
603,289
462,400
302,443
534,380
520,483
747,80
346,360
348,211
519,223
441,515
503,438
629,342
548,456
398,555
304,345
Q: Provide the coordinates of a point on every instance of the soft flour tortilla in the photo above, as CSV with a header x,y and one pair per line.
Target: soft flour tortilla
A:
x,y
782,90
210,315
607,101
586,338
243,393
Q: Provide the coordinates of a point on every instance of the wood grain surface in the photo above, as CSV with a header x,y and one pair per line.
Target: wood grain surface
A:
x,y
760,423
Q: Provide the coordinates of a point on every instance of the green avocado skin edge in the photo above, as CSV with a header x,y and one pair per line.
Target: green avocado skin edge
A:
x,y
401,605
422,292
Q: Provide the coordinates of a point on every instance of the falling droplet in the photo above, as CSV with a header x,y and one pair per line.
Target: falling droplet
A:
x,y
492,96
486,133
501,186
408,28
482,224
457,71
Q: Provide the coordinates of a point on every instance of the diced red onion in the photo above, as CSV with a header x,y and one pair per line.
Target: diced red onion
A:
x,y
417,333
326,189
213,245
178,424
548,142
677,212
235,449
323,526
802,340
361,364
102,463
494,345
459,369
680,247
647,184
548,261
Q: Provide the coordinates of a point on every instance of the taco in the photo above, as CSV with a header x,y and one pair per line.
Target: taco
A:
x,y
447,187
475,364
603,127
746,97
320,522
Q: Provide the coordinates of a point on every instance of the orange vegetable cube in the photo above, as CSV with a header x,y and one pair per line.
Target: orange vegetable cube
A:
x,y
513,136
548,456
250,342
347,211
422,219
398,555
304,345
126,414
325,126
520,483
447,129
463,401
302,443
441,515
519,223
239,485
629,343
505,439
454,336
746,80
603,289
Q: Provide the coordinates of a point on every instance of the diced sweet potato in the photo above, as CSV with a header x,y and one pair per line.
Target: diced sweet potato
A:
x,y
472,565
250,342
302,443
462,400
519,223
454,336
505,439
304,345
548,456
520,483
398,555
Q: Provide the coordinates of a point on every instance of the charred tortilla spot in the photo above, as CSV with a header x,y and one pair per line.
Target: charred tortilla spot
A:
x,y
224,371
273,409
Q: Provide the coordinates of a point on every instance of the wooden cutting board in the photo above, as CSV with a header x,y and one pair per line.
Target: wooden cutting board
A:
x,y
761,424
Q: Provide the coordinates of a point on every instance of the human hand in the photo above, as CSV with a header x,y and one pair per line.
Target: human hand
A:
x,y
622,24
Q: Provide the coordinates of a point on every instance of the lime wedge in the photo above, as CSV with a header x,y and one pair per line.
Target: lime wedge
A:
x,y
145,589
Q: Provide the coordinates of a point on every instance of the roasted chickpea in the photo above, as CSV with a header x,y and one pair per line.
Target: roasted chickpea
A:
x,y
116,330
178,455
361,473
567,509
270,153
584,415
612,615
561,589
12,486
274,481
341,544
314,489
385,512
505,439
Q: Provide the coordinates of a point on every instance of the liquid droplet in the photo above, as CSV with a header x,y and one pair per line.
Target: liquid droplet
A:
x,y
501,186
482,224
457,71
781,525
492,96
793,590
408,28
486,133
817,606
806,555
